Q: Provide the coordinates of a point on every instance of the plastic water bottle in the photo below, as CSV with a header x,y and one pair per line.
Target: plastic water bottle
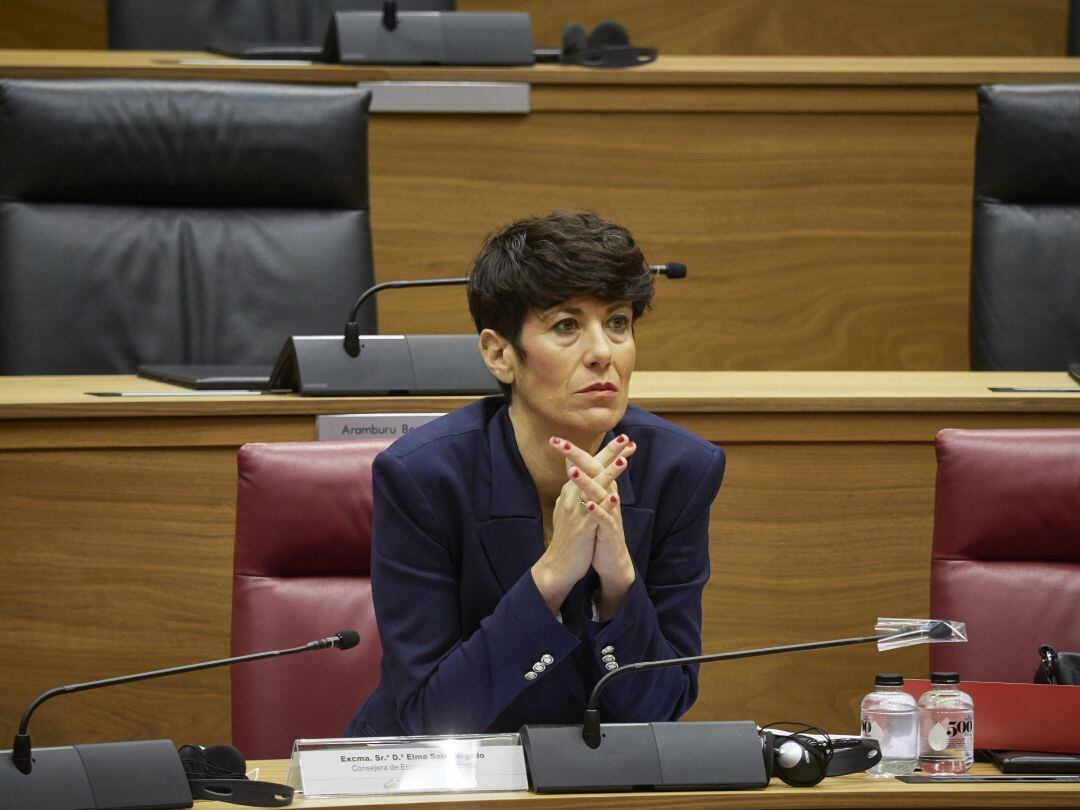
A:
x,y
946,726
890,716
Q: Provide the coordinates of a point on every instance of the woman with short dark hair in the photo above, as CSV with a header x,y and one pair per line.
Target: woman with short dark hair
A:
x,y
525,545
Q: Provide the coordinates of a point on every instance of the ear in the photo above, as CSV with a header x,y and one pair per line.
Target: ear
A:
x,y
499,355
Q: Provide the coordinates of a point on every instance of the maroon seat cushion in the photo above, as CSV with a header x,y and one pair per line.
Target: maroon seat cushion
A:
x,y
301,571
1006,556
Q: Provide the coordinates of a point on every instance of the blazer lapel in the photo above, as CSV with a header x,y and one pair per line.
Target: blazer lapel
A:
x,y
513,539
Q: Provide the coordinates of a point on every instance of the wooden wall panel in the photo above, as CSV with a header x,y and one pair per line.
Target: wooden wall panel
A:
x,y
825,27
117,561
78,24
834,27
825,241
811,542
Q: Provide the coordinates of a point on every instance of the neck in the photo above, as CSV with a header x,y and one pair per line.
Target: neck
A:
x,y
547,468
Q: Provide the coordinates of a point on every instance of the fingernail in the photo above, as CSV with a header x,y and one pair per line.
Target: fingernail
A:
x,y
555,440
566,446
620,463
614,498
573,472
621,439
630,445
592,506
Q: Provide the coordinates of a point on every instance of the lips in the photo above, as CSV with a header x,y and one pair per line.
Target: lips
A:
x,y
601,386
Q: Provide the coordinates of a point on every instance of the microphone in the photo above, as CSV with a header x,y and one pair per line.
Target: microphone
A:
x,y
671,269
710,755
115,775
590,731
352,328
346,639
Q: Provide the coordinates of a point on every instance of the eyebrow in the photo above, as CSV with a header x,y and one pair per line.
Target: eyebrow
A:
x,y
558,310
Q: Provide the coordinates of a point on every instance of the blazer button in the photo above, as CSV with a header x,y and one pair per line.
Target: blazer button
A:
x,y
610,665
608,650
530,675
607,659
547,658
538,667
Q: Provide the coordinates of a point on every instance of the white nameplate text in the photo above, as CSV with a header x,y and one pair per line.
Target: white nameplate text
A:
x,y
380,765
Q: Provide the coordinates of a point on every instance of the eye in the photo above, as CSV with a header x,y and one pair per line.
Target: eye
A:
x,y
619,322
565,326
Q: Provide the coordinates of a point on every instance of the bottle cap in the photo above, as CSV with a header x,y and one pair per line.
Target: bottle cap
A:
x,y
944,677
888,679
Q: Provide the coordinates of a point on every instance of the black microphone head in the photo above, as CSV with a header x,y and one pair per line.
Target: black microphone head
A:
x,y
676,270
940,630
349,639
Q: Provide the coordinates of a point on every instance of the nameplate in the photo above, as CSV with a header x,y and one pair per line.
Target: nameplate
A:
x,y
385,426
386,765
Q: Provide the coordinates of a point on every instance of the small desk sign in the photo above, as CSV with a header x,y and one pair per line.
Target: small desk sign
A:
x,y
368,766
342,427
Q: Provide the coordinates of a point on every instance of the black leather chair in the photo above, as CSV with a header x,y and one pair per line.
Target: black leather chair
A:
x,y
1025,258
177,222
191,25
1072,40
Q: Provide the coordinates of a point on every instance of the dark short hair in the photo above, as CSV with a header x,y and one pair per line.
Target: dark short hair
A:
x,y
538,263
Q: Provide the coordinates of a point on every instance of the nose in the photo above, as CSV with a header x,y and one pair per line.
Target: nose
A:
x,y
597,346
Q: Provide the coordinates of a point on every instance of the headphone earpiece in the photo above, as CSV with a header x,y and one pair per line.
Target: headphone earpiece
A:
x,y
795,759
574,37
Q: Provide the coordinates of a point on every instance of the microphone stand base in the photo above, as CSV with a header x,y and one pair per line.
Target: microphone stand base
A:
x,y
645,756
103,776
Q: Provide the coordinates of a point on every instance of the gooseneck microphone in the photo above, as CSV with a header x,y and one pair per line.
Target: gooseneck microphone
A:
x,y
352,328
590,731
22,753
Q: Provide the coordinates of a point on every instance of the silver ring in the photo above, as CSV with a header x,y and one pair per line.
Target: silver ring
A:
x,y
583,503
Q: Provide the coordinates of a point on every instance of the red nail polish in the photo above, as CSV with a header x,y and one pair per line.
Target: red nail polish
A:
x,y
614,498
574,473
619,462
592,506
555,441
630,445
621,439
566,446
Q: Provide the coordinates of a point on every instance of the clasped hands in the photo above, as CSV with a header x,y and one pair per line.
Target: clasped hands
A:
x,y
587,529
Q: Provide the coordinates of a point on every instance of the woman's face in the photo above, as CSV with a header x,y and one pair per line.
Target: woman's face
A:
x,y
575,377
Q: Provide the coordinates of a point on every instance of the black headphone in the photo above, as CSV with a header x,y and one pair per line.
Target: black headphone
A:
x,y
608,46
800,760
218,772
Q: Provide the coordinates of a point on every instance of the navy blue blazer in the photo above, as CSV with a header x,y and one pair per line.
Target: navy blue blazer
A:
x,y
469,644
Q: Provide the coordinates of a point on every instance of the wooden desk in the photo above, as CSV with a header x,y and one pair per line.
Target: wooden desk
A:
x,y
117,517
855,791
822,204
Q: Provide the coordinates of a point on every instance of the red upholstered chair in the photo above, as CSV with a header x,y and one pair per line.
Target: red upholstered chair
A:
x,y
1006,557
301,571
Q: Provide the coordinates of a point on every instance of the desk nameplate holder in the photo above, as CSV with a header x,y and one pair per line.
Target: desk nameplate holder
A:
x,y
354,426
371,766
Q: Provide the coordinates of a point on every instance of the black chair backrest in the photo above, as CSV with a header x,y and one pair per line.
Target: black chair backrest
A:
x,y
1072,41
1025,259
177,222
190,25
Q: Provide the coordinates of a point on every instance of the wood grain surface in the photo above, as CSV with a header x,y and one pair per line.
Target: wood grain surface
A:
x,y
118,521
854,791
831,27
